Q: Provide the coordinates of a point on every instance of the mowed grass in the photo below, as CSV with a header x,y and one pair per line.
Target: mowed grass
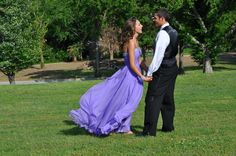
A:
x,y
34,120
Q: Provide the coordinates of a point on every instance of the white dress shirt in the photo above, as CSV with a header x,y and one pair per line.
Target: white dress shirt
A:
x,y
162,41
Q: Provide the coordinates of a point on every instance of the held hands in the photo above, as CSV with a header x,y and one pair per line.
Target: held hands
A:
x,y
146,78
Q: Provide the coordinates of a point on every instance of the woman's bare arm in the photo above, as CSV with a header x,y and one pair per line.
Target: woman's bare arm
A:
x,y
131,52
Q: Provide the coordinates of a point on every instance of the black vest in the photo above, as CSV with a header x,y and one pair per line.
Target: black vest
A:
x,y
172,49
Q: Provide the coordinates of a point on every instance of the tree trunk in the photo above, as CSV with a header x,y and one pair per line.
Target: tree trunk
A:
x,y
97,71
111,52
74,58
207,68
181,68
42,65
111,55
11,78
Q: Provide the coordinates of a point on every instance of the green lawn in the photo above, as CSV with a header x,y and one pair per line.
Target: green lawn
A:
x,y
34,120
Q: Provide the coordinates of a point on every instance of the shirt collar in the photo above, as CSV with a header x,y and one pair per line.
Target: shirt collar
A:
x,y
164,25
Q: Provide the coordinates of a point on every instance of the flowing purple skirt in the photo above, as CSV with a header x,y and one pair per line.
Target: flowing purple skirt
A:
x,y
108,106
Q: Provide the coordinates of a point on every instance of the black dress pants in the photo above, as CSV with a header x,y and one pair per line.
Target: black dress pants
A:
x,y
160,97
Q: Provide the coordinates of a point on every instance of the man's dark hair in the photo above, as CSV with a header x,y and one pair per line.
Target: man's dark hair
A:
x,y
163,12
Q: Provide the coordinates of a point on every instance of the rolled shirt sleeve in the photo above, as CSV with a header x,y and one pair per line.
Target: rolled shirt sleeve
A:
x,y
162,41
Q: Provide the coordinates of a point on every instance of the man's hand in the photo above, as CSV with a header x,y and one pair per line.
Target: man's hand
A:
x,y
148,78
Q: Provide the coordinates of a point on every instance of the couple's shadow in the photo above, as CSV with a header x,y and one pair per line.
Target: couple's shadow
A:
x,y
137,129
75,130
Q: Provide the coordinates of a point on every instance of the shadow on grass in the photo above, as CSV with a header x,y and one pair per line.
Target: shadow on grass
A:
x,y
60,74
81,131
192,68
226,61
217,67
78,131
138,130
75,131
220,68
68,122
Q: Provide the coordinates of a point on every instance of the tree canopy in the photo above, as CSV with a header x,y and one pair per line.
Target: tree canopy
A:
x,y
30,28
19,37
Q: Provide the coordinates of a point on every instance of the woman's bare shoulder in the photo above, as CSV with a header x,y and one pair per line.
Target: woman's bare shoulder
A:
x,y
131,43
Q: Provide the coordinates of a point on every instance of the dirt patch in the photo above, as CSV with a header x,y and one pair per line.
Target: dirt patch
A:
x,y
64,70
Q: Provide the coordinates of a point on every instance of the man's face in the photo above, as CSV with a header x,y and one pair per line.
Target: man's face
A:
x,y
158,21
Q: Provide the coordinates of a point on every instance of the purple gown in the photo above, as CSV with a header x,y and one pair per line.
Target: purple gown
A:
x,y
108,106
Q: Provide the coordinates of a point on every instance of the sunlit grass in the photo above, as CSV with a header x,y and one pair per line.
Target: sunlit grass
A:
x,y
34,120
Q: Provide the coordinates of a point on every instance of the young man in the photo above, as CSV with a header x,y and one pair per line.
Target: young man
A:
x,y
163,69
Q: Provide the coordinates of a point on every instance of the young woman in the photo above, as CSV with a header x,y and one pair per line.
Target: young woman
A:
x,y
108,106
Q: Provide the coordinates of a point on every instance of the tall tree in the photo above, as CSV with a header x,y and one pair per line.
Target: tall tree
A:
x,y
19,38
205,24
41,26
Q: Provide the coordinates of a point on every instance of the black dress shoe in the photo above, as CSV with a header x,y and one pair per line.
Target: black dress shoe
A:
x,y
167,129
148,134
145,133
